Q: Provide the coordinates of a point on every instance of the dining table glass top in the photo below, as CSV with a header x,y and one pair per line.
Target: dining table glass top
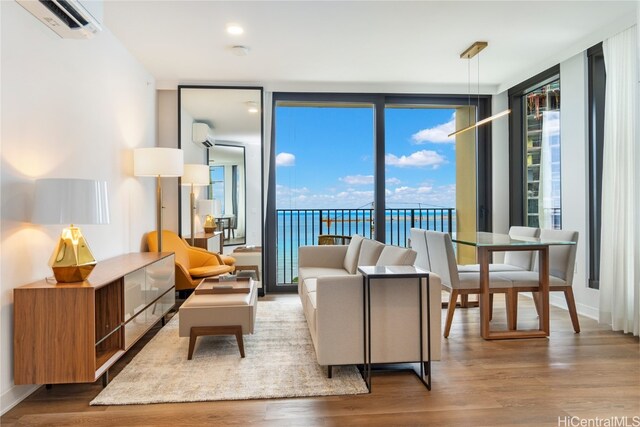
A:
x,y
484,239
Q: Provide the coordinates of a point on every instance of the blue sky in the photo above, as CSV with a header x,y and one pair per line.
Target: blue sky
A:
x,y
324,157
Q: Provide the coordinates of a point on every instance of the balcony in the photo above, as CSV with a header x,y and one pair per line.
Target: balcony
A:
x,y
301,227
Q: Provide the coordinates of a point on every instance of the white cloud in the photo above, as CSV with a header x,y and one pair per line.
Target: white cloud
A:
x,y
424,195
437,134
285,159
420,158
357,179
393,181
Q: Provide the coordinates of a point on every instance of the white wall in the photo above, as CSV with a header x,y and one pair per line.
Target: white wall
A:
x,y
167,110
70,109
575,175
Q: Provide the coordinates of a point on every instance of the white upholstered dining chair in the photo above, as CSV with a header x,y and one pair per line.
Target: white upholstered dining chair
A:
x,y
442,261
513,260
562,260
419,244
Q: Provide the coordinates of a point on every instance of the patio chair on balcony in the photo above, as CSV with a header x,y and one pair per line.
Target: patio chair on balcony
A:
x,y
333,239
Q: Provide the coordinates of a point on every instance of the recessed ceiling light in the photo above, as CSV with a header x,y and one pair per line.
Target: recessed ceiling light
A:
x,y
234,29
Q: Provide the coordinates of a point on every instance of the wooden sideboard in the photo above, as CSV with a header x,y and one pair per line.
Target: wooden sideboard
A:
x,y
73,332
211,242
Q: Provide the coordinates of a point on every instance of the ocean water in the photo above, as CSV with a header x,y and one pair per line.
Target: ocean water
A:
x,y
302,227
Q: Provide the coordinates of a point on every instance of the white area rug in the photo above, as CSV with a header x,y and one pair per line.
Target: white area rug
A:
x,y
280,362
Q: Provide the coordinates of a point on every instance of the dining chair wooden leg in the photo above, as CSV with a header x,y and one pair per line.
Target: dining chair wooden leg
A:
x,y
464,301
452,307
490,306
571,305
512,309
536,301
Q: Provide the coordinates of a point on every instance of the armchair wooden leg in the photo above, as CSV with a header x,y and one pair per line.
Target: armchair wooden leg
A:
x,y
450,310
571,305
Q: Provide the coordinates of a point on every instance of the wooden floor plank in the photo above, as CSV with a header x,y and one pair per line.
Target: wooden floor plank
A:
x,y
515,382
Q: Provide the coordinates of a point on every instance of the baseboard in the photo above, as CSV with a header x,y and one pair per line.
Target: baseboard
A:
x,y
558,300
15,395
582,309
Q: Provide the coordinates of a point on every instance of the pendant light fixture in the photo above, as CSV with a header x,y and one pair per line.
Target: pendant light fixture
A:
x,y
469,53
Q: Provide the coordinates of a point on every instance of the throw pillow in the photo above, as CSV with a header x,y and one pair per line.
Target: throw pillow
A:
x,y
351,258
370,252
394,255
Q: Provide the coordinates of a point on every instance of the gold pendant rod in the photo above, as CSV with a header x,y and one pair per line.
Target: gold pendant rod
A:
x,y
481,122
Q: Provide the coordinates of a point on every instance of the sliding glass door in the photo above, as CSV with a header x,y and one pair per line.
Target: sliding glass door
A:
x,y
324,176
375,165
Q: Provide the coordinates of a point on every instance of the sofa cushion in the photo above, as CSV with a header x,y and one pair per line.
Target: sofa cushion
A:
x,y
370,252
395,255
305,273
310,284
351,258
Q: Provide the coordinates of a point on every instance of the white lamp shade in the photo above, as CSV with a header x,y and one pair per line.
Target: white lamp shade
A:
x,y
205,207
71,201
217,207
195,174
158,161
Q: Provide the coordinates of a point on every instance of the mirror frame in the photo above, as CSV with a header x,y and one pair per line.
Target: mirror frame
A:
x,y
262,142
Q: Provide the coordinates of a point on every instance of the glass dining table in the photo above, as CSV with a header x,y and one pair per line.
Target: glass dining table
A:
x,y
487,243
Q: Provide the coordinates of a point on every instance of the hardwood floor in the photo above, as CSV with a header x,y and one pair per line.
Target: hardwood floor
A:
x,y
531,382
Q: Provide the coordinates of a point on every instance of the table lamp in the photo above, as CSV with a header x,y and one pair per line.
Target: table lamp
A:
x,y
159,162
195,175
206,208
71,201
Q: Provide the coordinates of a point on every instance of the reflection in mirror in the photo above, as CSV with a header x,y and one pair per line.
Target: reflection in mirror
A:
x,y
222,127
227,164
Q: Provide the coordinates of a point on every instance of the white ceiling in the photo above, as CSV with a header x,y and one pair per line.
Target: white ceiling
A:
x,y
416,44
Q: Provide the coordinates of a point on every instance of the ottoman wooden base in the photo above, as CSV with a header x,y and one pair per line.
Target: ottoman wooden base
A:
x,y
198,331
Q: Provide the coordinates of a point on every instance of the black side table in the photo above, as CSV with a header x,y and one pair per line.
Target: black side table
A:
x,y
370,273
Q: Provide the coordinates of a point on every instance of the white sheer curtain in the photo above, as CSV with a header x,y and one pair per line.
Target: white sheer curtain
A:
x,y
620,234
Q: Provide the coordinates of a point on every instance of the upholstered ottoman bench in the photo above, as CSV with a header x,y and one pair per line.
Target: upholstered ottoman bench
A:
x,y
218,314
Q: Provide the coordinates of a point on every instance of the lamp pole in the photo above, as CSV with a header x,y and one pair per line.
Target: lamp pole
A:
x,y
193,214
159,212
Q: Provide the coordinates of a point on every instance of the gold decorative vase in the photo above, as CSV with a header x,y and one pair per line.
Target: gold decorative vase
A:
x,y
72,260
209,224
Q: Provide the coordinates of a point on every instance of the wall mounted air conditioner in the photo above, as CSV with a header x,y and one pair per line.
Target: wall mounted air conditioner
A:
x,y
68,18
202,134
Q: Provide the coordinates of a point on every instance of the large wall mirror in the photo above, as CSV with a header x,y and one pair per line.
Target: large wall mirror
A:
x,y
222,128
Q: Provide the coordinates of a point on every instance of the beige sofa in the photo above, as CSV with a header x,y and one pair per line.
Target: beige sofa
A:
x,y
331,293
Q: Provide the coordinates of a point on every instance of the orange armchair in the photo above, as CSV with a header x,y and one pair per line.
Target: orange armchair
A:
x,y
192,264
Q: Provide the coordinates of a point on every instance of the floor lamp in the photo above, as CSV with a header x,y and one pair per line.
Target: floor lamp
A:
x,y
158,162
194,175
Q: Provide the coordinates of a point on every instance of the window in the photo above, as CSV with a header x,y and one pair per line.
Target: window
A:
x,y
535,152
217,186
597,85
338,160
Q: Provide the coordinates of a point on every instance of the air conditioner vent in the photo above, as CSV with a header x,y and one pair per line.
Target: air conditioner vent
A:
x,y
68,18
63,10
